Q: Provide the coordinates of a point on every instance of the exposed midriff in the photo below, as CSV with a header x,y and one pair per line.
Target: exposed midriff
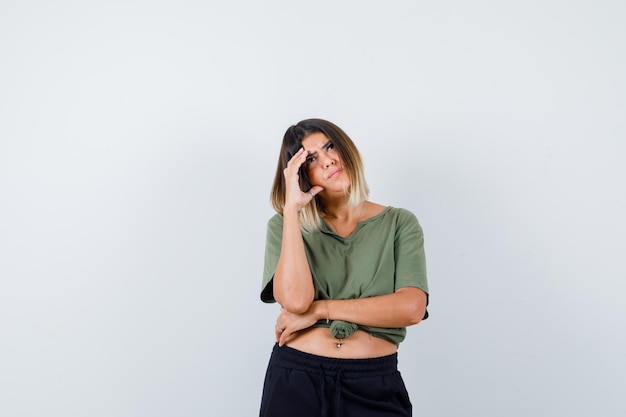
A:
x,y
360,345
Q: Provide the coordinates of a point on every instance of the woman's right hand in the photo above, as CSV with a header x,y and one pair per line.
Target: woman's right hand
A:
x,y
294,196
289,323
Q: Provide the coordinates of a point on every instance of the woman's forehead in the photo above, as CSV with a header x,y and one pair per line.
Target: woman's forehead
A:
x,y
314,141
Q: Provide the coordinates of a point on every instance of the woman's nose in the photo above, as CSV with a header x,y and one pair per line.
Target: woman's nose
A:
x,y
328,160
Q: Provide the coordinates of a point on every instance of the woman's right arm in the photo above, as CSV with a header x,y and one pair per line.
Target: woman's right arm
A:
x,y
293,282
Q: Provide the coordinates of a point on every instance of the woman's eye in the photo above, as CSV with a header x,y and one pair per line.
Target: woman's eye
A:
x,y
330,146
310,159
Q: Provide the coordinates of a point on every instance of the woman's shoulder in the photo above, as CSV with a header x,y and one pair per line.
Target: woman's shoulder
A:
x,y
275,221
402,218
375,209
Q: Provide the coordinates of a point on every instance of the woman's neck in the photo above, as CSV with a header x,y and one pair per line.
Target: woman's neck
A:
x,y
344,218
344,211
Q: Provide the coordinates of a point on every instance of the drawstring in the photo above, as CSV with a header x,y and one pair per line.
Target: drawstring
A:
x,y
323,392
337,393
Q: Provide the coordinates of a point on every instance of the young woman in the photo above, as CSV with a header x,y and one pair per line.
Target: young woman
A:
x,y
350,276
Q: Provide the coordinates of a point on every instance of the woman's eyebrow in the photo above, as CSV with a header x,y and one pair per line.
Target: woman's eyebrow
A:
x,y
324,146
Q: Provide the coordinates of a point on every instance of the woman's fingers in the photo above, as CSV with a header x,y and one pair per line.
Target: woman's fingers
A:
x,y
294,194
293,166
283,337
289,323
296,160
315,190
282,334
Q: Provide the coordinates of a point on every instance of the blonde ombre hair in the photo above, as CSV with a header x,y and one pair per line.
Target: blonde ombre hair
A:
x,y
358,191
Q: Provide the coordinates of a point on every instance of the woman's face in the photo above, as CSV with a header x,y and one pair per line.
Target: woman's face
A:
x,y
324,164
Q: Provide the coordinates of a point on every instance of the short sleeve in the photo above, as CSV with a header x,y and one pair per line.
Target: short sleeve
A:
x,y
273,242
409,254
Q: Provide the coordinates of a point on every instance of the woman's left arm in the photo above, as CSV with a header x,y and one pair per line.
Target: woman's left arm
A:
x,y
405,307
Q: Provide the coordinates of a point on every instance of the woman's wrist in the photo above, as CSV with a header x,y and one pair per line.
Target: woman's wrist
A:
x,y
291,211
319,310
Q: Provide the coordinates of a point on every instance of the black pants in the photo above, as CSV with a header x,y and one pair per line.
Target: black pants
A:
x,y
299,384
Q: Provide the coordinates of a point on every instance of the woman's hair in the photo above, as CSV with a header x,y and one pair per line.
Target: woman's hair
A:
x,y
311,214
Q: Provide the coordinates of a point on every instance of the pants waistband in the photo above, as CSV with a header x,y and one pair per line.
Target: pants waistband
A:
x,y
349,368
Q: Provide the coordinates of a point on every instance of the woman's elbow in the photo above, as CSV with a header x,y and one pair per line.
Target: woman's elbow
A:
x,y
296,305
414,306
416,313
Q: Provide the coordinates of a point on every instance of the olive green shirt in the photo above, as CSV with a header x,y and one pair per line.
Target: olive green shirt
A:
x,y
383,253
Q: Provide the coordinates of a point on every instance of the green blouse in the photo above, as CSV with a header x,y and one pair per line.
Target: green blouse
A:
x,y
383,253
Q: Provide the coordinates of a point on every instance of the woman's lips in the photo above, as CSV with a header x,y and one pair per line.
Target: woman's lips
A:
x,y
334,174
